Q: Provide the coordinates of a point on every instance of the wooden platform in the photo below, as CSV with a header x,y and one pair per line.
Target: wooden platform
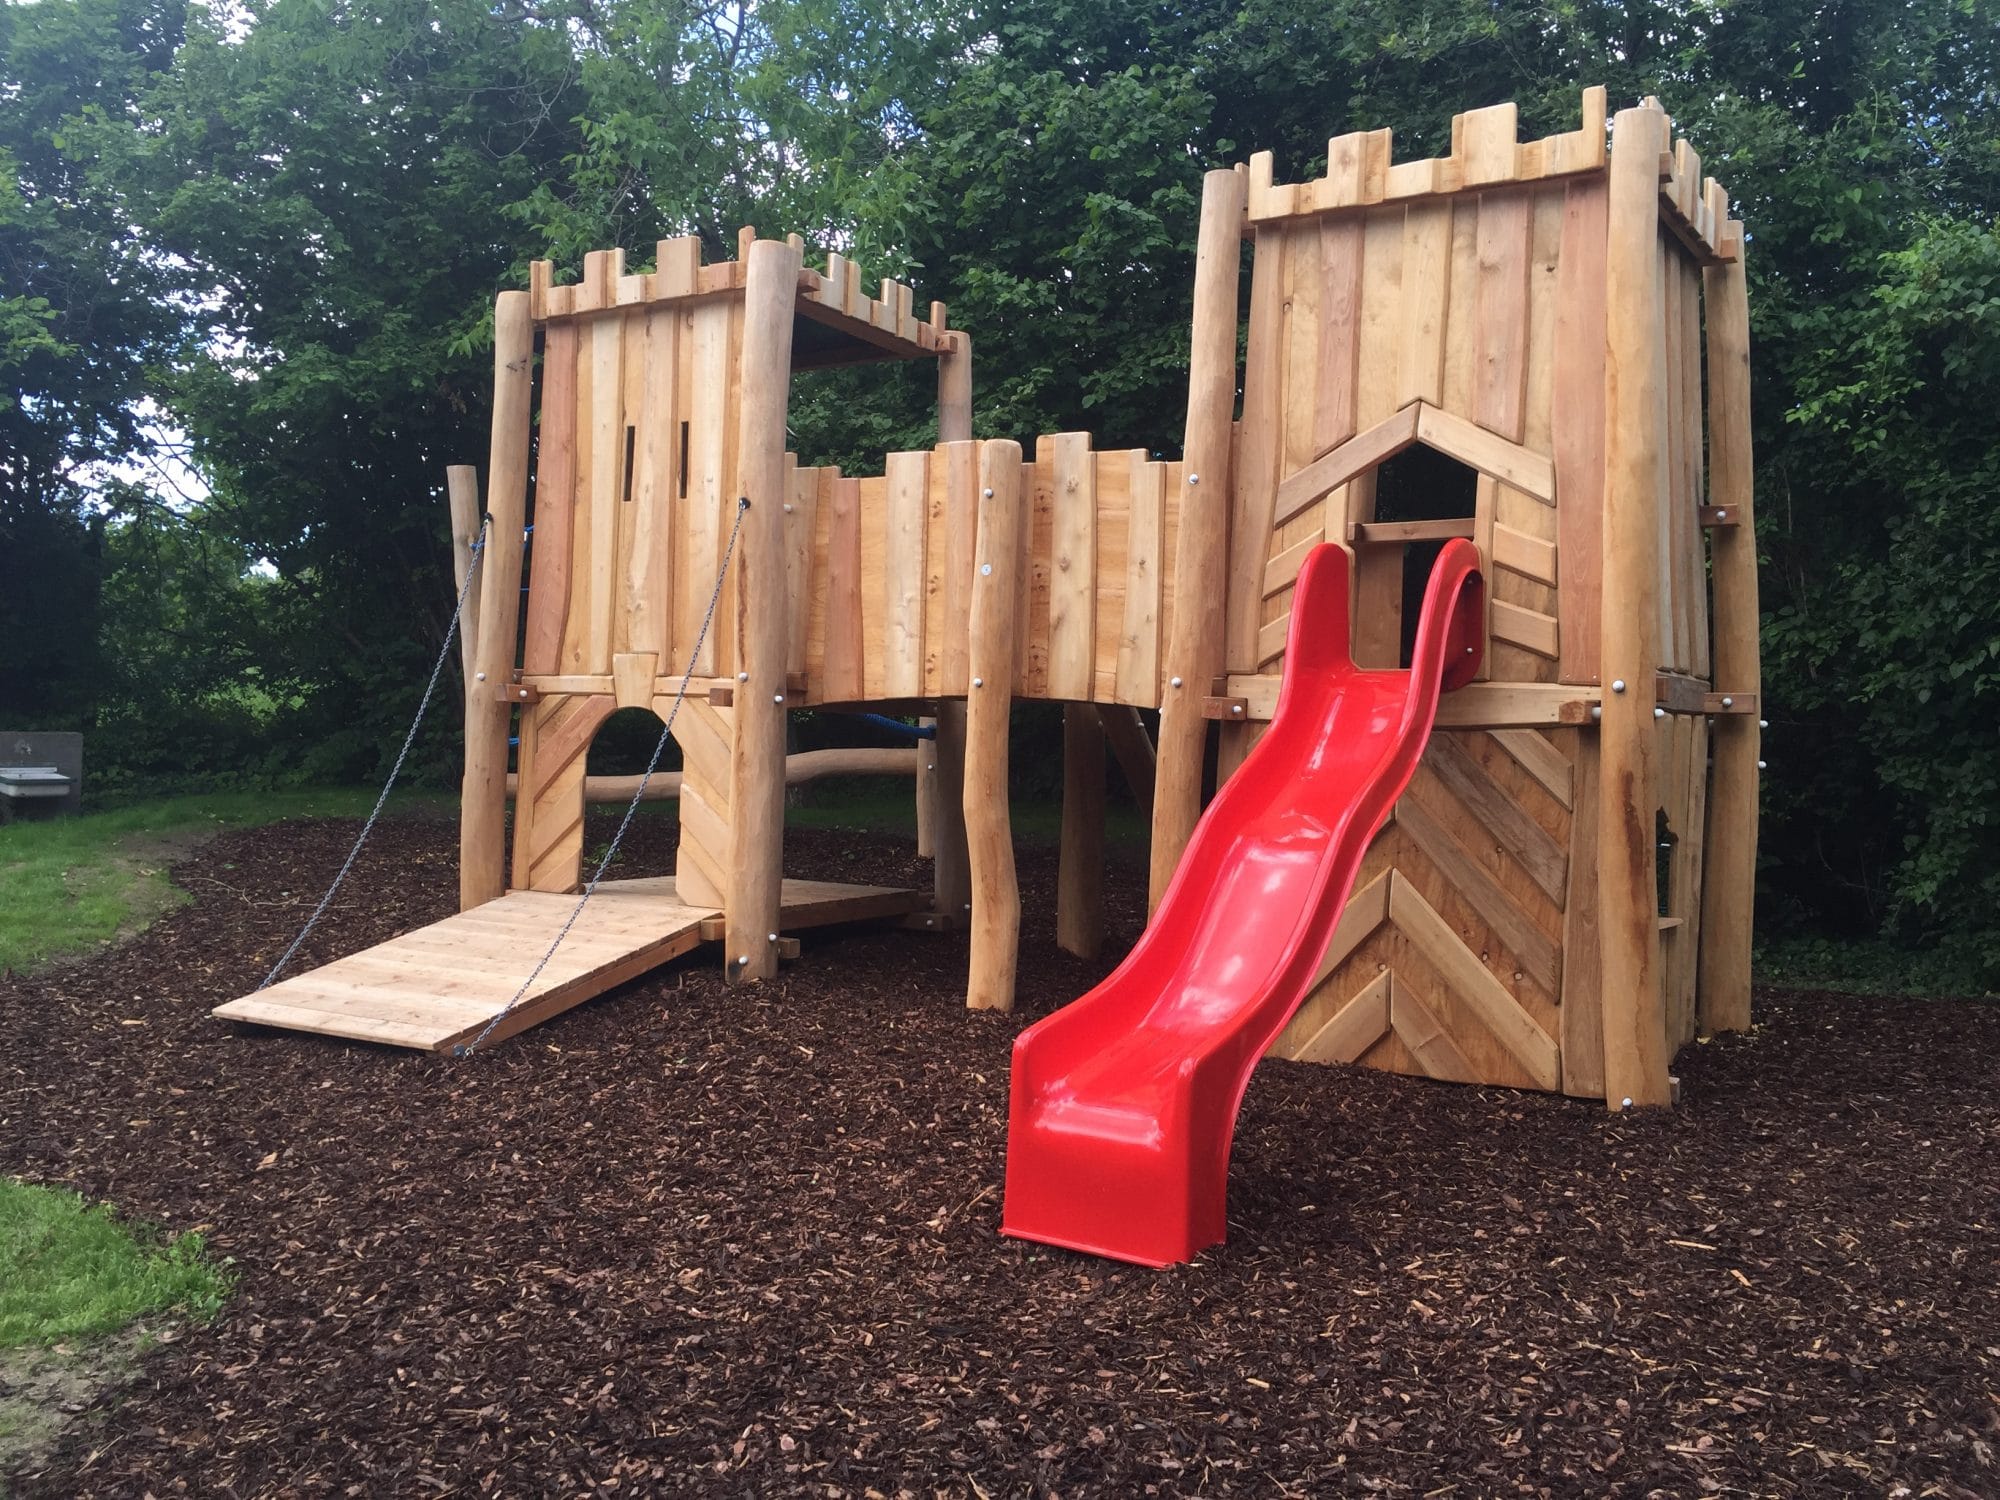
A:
x,y
440,985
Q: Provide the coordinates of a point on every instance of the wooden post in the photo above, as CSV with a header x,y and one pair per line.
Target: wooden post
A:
x,y
1080,872
951,881
927,798
1195,651
1635,1044
996,588
461,486
1729,885
482,811
757,761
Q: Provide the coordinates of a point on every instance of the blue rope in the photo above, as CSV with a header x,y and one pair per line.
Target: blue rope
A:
x,y
897,726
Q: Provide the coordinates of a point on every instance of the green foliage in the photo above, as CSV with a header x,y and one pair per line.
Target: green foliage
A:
x,y
326,194
70,1270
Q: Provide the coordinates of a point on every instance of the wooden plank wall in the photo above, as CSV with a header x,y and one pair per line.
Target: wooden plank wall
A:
x,y
887,577
1468,948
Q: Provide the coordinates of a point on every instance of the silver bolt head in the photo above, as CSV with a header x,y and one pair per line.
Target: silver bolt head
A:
x,y
1728,702
1625,1104
1618,686
986,570
777,697
743,958
987,493
788,507
1175,682
1763,723
1236,708
1761,765
1596,711
479,676
742,676
1194,479
1659,713
771,937
979,682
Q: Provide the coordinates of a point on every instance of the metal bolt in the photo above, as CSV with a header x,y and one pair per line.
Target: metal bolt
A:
x,y
1471,650
1626,1104
1596,712
742,676
1194,479
987,493
1659,713
1618,686
1763,723
1722,515
770,937
777,697
1760,765
744,959
968,906
986,570
979,682
1175,682
1728,702
479,676
1236,708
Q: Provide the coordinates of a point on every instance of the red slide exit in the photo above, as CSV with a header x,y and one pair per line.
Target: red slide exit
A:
x,y
1123,1104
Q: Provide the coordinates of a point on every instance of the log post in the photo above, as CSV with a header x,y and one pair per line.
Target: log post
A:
x,y
757,760
1132,748
461,486
1729,885
1195,650
996,589
482,813
1635,1044
944,783
1080,871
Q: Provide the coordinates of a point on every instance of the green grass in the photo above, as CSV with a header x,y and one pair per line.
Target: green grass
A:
x,y
70,1270
68,885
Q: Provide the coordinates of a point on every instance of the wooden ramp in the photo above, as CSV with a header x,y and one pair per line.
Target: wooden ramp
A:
x,y
440,985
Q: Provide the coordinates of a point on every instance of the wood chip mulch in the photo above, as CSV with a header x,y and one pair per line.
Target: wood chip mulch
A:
x,y
706,1240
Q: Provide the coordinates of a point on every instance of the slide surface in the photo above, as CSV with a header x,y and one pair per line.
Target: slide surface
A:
x,y
1123,1104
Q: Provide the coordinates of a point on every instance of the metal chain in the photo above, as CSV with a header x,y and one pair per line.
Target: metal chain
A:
x,y
466,1049
437,670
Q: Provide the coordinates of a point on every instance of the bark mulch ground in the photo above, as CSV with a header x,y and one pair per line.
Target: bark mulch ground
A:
x,y
689,1238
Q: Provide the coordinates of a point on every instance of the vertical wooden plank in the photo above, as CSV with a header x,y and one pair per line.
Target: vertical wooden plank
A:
x,y
1112,476
1729,877
1500,373
1582,1020
957,526
993,590
1340,260
1578,435
1635,1059
757,765
1206,567
844,646
555,504
801,506
1041,482
1080,867
1246,529
482,872
1073,569
908,477
1694,586
874,596
677,266
1461,340
605,435
1426,292
649,563
704,517
1674,641
1300,338
1139,641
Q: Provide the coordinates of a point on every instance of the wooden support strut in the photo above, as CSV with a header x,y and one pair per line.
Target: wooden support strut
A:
x,y
1195,649
996,587
1730,877
1080,872
1635,1051
482,841
757,761
461,483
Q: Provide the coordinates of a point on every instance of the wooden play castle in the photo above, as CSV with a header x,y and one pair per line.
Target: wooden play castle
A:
x,y
1540,346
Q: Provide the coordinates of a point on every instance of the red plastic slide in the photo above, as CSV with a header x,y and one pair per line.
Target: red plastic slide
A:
x,y
1124,1103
